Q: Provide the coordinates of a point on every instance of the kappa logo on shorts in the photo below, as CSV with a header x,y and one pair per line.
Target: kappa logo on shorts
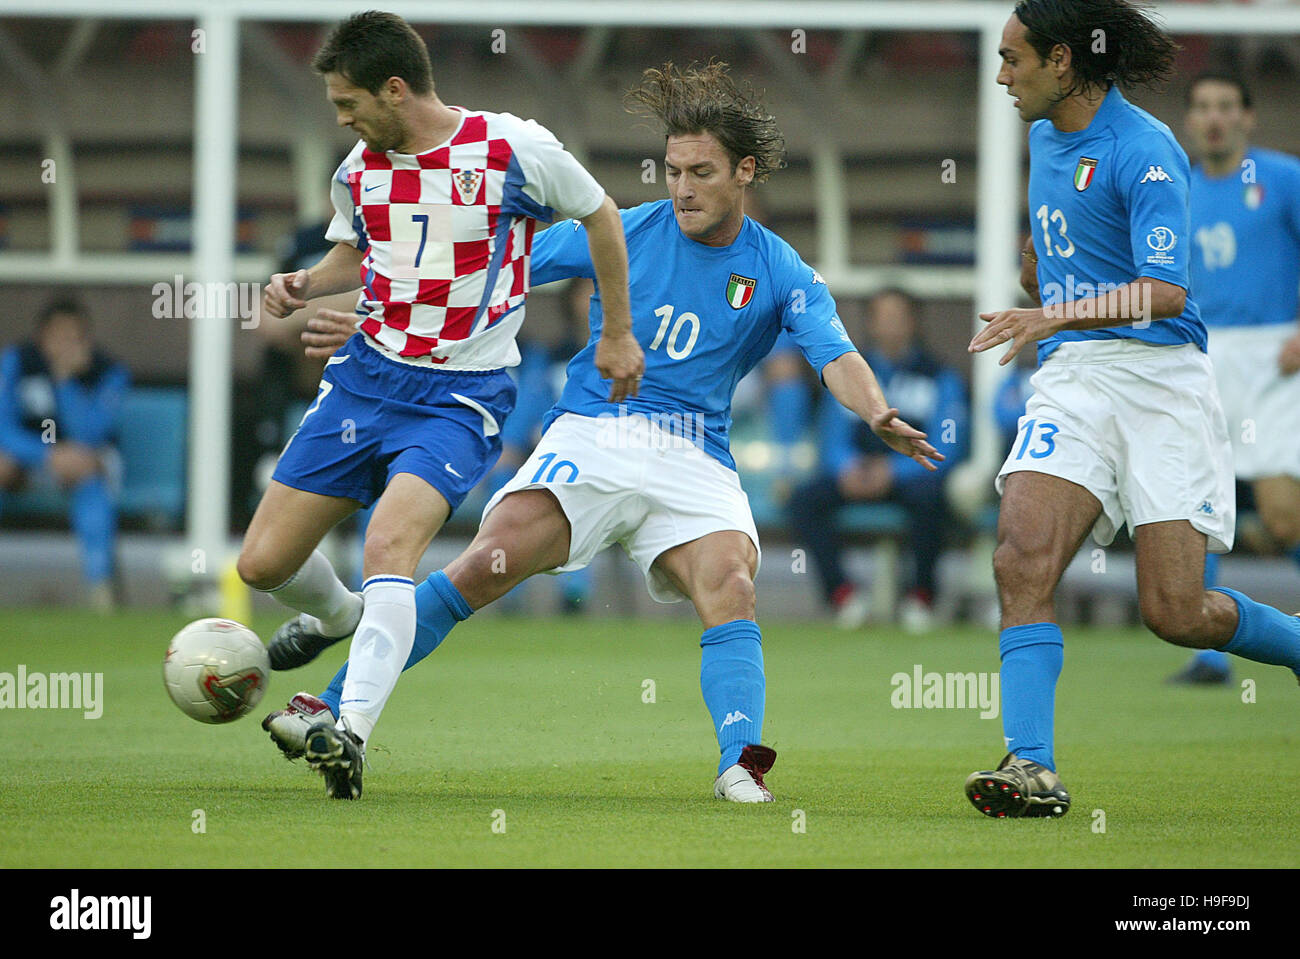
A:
x,y
1206,507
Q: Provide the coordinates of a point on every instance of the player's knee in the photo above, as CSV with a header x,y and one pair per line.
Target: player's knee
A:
x,y
1019,571
733,590
484,572
1172,621
260,570
392,551
380,545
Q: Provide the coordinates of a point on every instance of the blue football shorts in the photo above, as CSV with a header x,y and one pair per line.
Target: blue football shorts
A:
x,y
375,417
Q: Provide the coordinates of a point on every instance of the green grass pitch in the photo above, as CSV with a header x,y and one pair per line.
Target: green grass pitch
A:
x,y
540,726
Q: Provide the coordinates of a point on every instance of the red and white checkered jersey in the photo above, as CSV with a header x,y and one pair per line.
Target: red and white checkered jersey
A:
x,y
447,234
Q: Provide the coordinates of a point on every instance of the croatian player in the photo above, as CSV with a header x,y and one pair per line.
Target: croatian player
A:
x,y
712,290
1245,272
435,210
1125,423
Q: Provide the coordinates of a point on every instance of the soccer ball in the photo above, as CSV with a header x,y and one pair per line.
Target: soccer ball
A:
x,y
216,670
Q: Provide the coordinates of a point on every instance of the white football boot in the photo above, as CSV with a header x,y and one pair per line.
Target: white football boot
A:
x,y
743,782
288,727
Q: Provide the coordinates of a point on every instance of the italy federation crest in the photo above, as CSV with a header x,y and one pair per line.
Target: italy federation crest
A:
x,y
740,290
1083,173
1254,196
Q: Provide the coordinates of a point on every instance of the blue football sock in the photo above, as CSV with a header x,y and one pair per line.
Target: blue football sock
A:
x,y
334,692
1212,658
1031,662
731,679
438,607
1263,634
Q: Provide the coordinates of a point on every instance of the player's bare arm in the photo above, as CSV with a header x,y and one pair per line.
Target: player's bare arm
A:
x,y
1143,300
335,273
618,355
851,381
1029,270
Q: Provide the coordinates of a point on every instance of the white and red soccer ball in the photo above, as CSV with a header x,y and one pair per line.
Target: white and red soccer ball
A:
x,y
216,670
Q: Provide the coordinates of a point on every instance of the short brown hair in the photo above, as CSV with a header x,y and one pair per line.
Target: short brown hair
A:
x,y
368,48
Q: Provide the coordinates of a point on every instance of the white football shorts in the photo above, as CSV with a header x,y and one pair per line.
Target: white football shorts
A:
x,y
1261,405
1140,427
630,481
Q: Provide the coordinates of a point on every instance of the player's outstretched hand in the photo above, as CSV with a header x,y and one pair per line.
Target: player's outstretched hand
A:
x,y
1018,326
285,293
905,439
327,331
619,358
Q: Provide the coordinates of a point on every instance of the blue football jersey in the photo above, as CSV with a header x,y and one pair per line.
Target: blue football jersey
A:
x,y
1245,264
703,315
1107,205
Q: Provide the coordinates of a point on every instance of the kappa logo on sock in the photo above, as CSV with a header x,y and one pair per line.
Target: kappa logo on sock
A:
x,y
735,716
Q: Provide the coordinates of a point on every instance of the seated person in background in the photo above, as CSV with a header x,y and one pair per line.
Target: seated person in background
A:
x,y
60,399
857,468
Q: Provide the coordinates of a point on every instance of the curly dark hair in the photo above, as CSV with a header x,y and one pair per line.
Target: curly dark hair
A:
x,y
1110,41
368,48
705,99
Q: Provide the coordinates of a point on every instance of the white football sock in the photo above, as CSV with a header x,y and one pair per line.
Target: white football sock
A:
x,y
328,607
380,648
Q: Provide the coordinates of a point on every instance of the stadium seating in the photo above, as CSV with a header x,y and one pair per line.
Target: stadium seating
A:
x,y
154,445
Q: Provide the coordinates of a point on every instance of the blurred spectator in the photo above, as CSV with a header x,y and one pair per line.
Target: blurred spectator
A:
x,y
856,467
60,401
